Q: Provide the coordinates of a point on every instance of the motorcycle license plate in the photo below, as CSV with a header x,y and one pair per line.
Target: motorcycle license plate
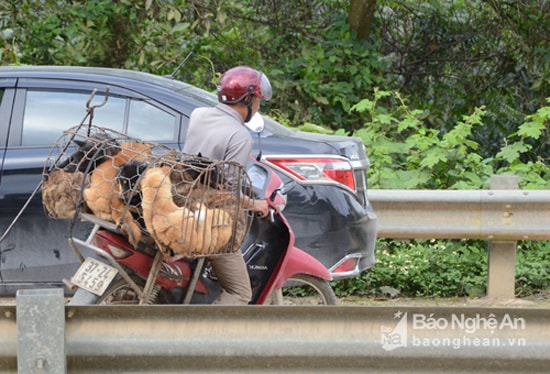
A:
x,y
94,276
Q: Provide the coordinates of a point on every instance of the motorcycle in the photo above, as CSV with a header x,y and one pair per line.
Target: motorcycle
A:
x,y
119,273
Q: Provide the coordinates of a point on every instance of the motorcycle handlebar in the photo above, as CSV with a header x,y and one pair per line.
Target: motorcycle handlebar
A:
x,y
270,215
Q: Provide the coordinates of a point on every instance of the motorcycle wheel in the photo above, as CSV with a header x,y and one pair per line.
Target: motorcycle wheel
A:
x,y
303,289
121,293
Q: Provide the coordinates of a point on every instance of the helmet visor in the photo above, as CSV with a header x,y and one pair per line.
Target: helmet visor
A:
x,y
265,87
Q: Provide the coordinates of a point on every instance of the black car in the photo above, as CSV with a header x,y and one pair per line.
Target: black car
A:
x,y
328,210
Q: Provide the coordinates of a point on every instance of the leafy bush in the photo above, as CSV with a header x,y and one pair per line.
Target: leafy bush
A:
x,y
422,268
533,268
444,269
408,155
405,154
323,79
452,56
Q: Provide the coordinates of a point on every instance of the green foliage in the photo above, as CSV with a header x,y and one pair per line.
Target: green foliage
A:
x,y
534,174
422,268
118,33
450,57
321,82
533,269
406,154
151,36
444,269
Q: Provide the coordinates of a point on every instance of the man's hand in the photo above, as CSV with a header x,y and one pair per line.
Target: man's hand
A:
x,y
261,208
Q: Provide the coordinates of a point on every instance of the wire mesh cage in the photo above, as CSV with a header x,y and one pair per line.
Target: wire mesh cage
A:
x,y
187,204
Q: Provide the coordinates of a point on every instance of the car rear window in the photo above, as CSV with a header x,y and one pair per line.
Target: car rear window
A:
x,y
47,114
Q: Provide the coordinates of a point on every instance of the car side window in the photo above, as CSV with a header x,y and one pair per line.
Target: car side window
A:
x,y
48,113
147,122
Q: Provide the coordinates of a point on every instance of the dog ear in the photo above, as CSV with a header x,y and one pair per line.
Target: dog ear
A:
x,y
132,169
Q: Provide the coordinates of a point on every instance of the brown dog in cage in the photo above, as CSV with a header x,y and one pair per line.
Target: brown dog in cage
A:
x,y
185,207
61,191
102,194
62,183
193,229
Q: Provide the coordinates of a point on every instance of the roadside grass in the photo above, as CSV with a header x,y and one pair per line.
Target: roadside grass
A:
x,y
421,271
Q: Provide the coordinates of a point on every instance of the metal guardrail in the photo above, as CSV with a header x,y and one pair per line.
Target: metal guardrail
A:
x,y
501,215
42,335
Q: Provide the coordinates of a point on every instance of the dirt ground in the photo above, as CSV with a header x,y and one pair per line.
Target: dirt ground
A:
x,y
539,301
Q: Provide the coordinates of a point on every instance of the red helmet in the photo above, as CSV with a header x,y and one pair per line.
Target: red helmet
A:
x,y
240,82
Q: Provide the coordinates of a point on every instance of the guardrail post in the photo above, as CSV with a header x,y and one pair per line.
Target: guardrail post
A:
x,y
40,331
501,274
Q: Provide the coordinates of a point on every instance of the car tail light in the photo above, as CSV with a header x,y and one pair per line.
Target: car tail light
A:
x,y
313,169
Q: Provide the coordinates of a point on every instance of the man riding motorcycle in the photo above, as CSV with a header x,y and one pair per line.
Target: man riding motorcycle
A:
x,y
219,133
